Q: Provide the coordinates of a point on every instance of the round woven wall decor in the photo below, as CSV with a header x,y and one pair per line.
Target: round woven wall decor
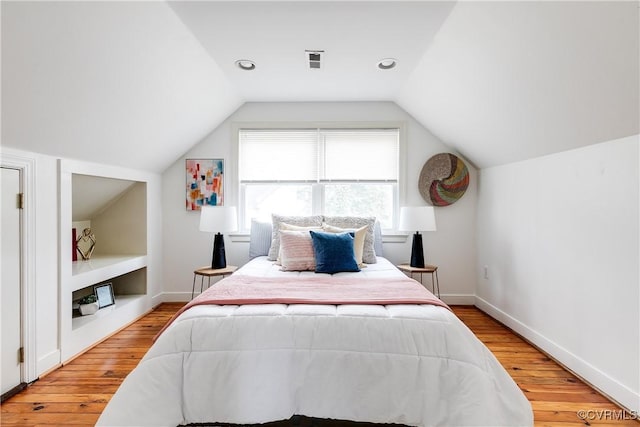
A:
x,y
443,180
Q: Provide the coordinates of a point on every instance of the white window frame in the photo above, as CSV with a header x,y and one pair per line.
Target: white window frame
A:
x,y
399,195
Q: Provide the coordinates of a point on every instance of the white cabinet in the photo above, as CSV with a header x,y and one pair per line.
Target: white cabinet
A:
x,y
113,202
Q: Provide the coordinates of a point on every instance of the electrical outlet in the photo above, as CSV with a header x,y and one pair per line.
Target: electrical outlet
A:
x,y
486,271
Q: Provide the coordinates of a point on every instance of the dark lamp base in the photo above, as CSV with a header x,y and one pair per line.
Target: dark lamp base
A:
x,y
219,259
417,253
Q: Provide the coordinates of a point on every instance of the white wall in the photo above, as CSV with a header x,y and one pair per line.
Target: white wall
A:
x,y
559,235
45,265
452,247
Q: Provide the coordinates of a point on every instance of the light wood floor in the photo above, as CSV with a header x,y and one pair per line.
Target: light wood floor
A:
x,y
555,394
75,394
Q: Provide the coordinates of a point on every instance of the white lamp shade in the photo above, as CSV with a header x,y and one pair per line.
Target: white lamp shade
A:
x,y
417,218
218,219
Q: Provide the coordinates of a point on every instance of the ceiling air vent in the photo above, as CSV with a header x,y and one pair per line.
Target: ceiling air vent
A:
x,y
314,58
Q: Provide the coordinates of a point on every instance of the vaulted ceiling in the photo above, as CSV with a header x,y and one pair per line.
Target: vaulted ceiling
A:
x,y
137,84
353,36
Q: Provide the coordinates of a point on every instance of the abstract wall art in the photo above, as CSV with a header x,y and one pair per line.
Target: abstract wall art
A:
x,y
443,180
205,183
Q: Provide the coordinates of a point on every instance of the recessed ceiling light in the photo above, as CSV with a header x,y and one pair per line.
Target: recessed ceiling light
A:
x,y
387,63
245,64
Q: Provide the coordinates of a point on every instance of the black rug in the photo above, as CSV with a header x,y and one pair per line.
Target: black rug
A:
x,y
298,421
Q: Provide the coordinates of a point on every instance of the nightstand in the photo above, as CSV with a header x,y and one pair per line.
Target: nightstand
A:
x,y
430,269
209,272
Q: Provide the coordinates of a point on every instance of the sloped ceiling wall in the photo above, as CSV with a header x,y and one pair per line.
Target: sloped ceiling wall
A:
x,y
506,81
91,195
122,83
129,84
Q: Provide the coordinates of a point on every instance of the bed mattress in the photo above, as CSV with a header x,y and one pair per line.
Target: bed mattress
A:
x,y
403,363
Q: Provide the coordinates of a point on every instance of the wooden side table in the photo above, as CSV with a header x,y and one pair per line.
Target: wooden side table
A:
x,y
209,272
430,269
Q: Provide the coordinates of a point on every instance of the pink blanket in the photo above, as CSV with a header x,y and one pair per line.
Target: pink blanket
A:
x,y
334,290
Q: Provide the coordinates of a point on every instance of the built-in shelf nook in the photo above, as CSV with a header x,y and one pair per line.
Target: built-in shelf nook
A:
x,y
113,204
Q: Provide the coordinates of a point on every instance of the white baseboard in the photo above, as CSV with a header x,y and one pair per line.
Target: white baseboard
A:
x,y
616,391
172,297
458,299
48,361
158,299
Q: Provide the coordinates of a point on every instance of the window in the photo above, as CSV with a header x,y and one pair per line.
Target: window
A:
x,y
318,171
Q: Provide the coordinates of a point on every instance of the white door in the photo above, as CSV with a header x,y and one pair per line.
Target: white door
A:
x,y
11,284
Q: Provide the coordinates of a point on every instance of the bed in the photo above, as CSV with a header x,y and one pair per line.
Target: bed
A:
x,y
409,361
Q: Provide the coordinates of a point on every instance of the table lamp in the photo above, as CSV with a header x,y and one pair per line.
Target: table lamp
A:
x,y
419,218
218,219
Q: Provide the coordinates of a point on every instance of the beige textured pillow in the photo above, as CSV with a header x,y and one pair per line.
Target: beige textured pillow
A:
x,y
292,227
358,239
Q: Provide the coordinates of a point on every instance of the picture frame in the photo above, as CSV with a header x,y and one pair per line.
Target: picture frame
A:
x,y
104,294
204,183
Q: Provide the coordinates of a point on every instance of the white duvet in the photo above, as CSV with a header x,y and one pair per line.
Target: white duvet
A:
x,y
408,364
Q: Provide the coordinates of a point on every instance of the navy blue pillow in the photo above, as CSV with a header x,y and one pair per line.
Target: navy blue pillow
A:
x,y
334,252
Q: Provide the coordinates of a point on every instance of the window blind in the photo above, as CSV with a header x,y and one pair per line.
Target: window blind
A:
x,y
359,155
278,155
317,155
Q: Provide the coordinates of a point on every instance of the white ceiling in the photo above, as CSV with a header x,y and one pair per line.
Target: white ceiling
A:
x,y
353,35
137,84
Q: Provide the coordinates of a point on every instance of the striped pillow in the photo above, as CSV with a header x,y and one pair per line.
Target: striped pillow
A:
x,y
292,227
308,221
260,238
296,251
